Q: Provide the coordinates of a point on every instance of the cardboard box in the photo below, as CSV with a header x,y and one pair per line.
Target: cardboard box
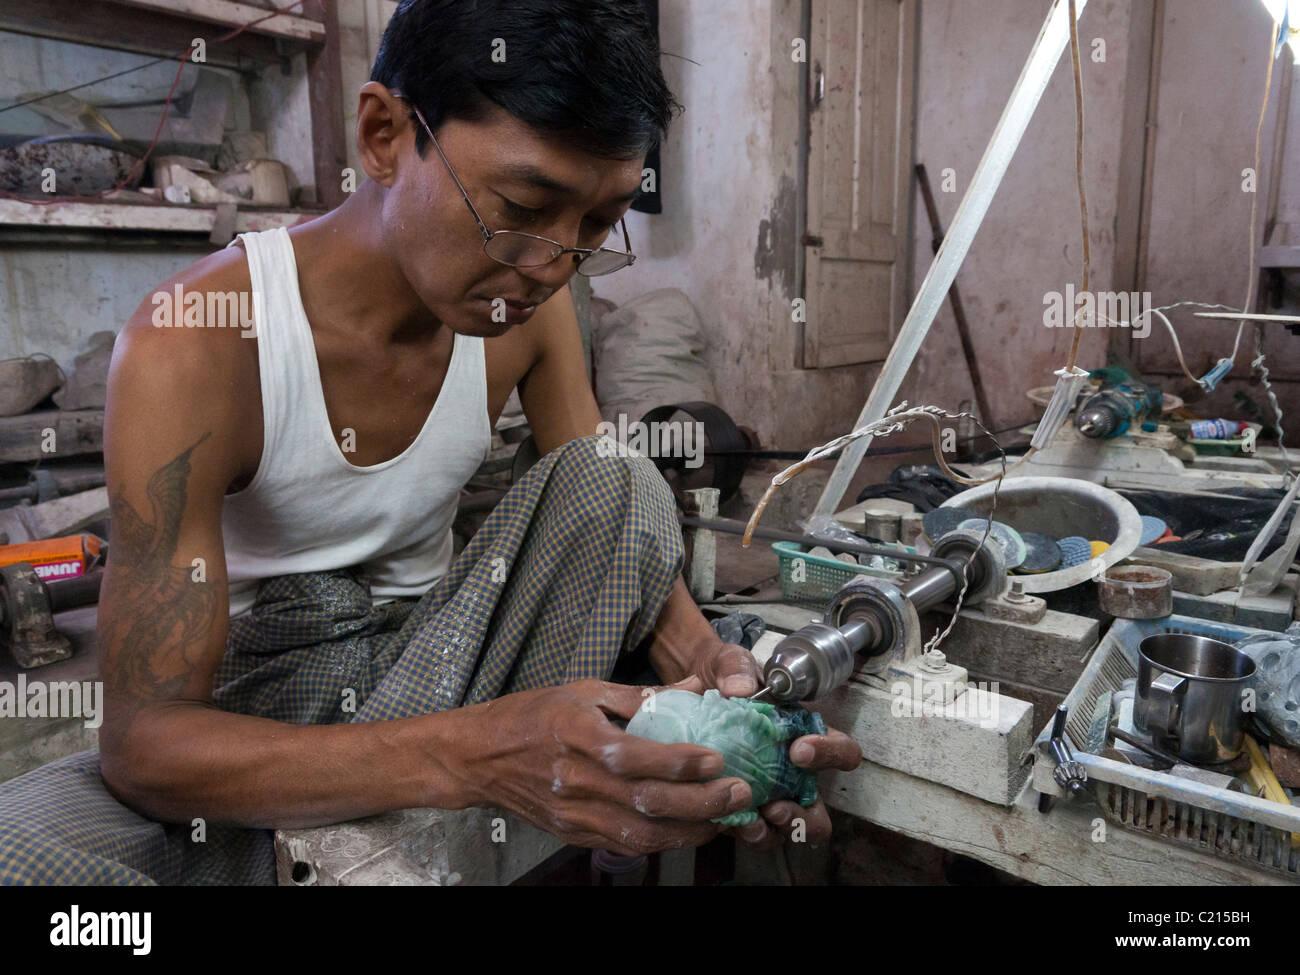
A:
x,y
55,558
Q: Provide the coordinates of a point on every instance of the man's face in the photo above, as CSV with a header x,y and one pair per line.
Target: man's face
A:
x,y
517,179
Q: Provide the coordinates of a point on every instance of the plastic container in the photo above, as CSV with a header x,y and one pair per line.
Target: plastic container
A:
x,y
1136,592
819,578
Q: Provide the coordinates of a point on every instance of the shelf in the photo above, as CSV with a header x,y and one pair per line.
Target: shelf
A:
x,y
165,28
162,217
292,26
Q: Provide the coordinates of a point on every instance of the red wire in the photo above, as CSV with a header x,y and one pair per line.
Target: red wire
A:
x,y
162,119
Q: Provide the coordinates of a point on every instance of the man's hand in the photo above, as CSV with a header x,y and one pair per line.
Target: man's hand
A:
x,y
734,672
553,756
729,667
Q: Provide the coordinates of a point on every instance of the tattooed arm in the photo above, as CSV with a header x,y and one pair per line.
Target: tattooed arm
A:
x,y
174,437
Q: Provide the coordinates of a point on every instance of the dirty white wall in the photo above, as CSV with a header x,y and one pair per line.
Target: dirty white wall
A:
x,y
1212,75
1030,241
727,234
1210,87
729,161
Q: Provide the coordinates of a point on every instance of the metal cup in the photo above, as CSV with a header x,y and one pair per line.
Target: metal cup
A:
x,y
1189,696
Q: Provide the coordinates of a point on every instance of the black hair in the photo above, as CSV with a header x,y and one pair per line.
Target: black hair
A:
x,y
584,69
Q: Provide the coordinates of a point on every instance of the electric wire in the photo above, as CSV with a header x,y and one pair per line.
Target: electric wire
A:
x,y
895,420
84,84
1251,273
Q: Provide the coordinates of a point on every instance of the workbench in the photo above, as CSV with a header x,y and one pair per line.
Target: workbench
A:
x,y
1073,844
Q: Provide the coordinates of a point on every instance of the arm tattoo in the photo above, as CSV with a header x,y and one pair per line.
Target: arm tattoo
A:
x,y
152,633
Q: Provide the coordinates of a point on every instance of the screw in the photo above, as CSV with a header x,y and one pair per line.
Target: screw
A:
x,y
934,661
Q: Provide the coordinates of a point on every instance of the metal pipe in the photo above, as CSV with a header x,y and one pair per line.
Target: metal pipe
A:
x,y
731,527
861,634
929,588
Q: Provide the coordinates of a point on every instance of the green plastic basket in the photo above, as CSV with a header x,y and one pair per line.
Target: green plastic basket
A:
x,y
820,577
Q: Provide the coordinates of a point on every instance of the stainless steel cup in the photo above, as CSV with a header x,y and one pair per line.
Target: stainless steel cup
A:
x,y
1189,695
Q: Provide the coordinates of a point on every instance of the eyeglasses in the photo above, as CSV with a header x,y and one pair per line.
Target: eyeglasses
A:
x,y
515,248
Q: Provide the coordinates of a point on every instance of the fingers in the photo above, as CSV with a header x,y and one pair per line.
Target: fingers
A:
x,y
736,673
834,750
622,831
639,758
798,824
758,836
785,821
627,755
688,801
692,683
617,699
623,700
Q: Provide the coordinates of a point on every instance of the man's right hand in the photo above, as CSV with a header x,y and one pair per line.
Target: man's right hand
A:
x,y
553,756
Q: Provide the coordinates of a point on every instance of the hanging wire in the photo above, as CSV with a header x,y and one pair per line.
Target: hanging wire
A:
x,y
899,418
1251,273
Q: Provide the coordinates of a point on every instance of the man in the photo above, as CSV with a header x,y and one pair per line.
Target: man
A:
x,y
283,640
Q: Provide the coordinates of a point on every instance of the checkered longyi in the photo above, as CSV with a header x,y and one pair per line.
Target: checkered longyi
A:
x,y
571,569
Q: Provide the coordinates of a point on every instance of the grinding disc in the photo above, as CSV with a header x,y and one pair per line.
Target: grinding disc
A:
x,y
1013,545
941,521
1043,554
1152,528
1097,548
1075,550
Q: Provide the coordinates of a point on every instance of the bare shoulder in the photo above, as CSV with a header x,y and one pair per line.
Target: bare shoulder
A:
x,y
515,353
189,348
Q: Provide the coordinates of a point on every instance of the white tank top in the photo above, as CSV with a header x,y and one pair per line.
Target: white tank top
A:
x,y
308,508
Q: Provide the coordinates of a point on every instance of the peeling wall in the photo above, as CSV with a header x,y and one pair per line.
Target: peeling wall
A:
x,y
727,236
1029,243
1210,88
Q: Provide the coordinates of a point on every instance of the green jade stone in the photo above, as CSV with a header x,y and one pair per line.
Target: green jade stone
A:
x,y
753,737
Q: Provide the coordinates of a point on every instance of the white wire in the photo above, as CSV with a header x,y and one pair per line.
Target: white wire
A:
x,y
1173,335
1252,273
895,420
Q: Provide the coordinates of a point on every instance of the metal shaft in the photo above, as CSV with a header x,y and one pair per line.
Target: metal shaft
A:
x,y
929,588
732,527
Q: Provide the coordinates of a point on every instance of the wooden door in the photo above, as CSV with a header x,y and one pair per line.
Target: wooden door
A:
x,y
861,59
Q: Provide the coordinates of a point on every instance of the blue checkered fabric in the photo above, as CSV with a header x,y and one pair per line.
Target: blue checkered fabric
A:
x,y
570,570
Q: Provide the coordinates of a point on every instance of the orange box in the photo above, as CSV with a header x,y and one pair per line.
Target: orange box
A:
x,y
55,558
